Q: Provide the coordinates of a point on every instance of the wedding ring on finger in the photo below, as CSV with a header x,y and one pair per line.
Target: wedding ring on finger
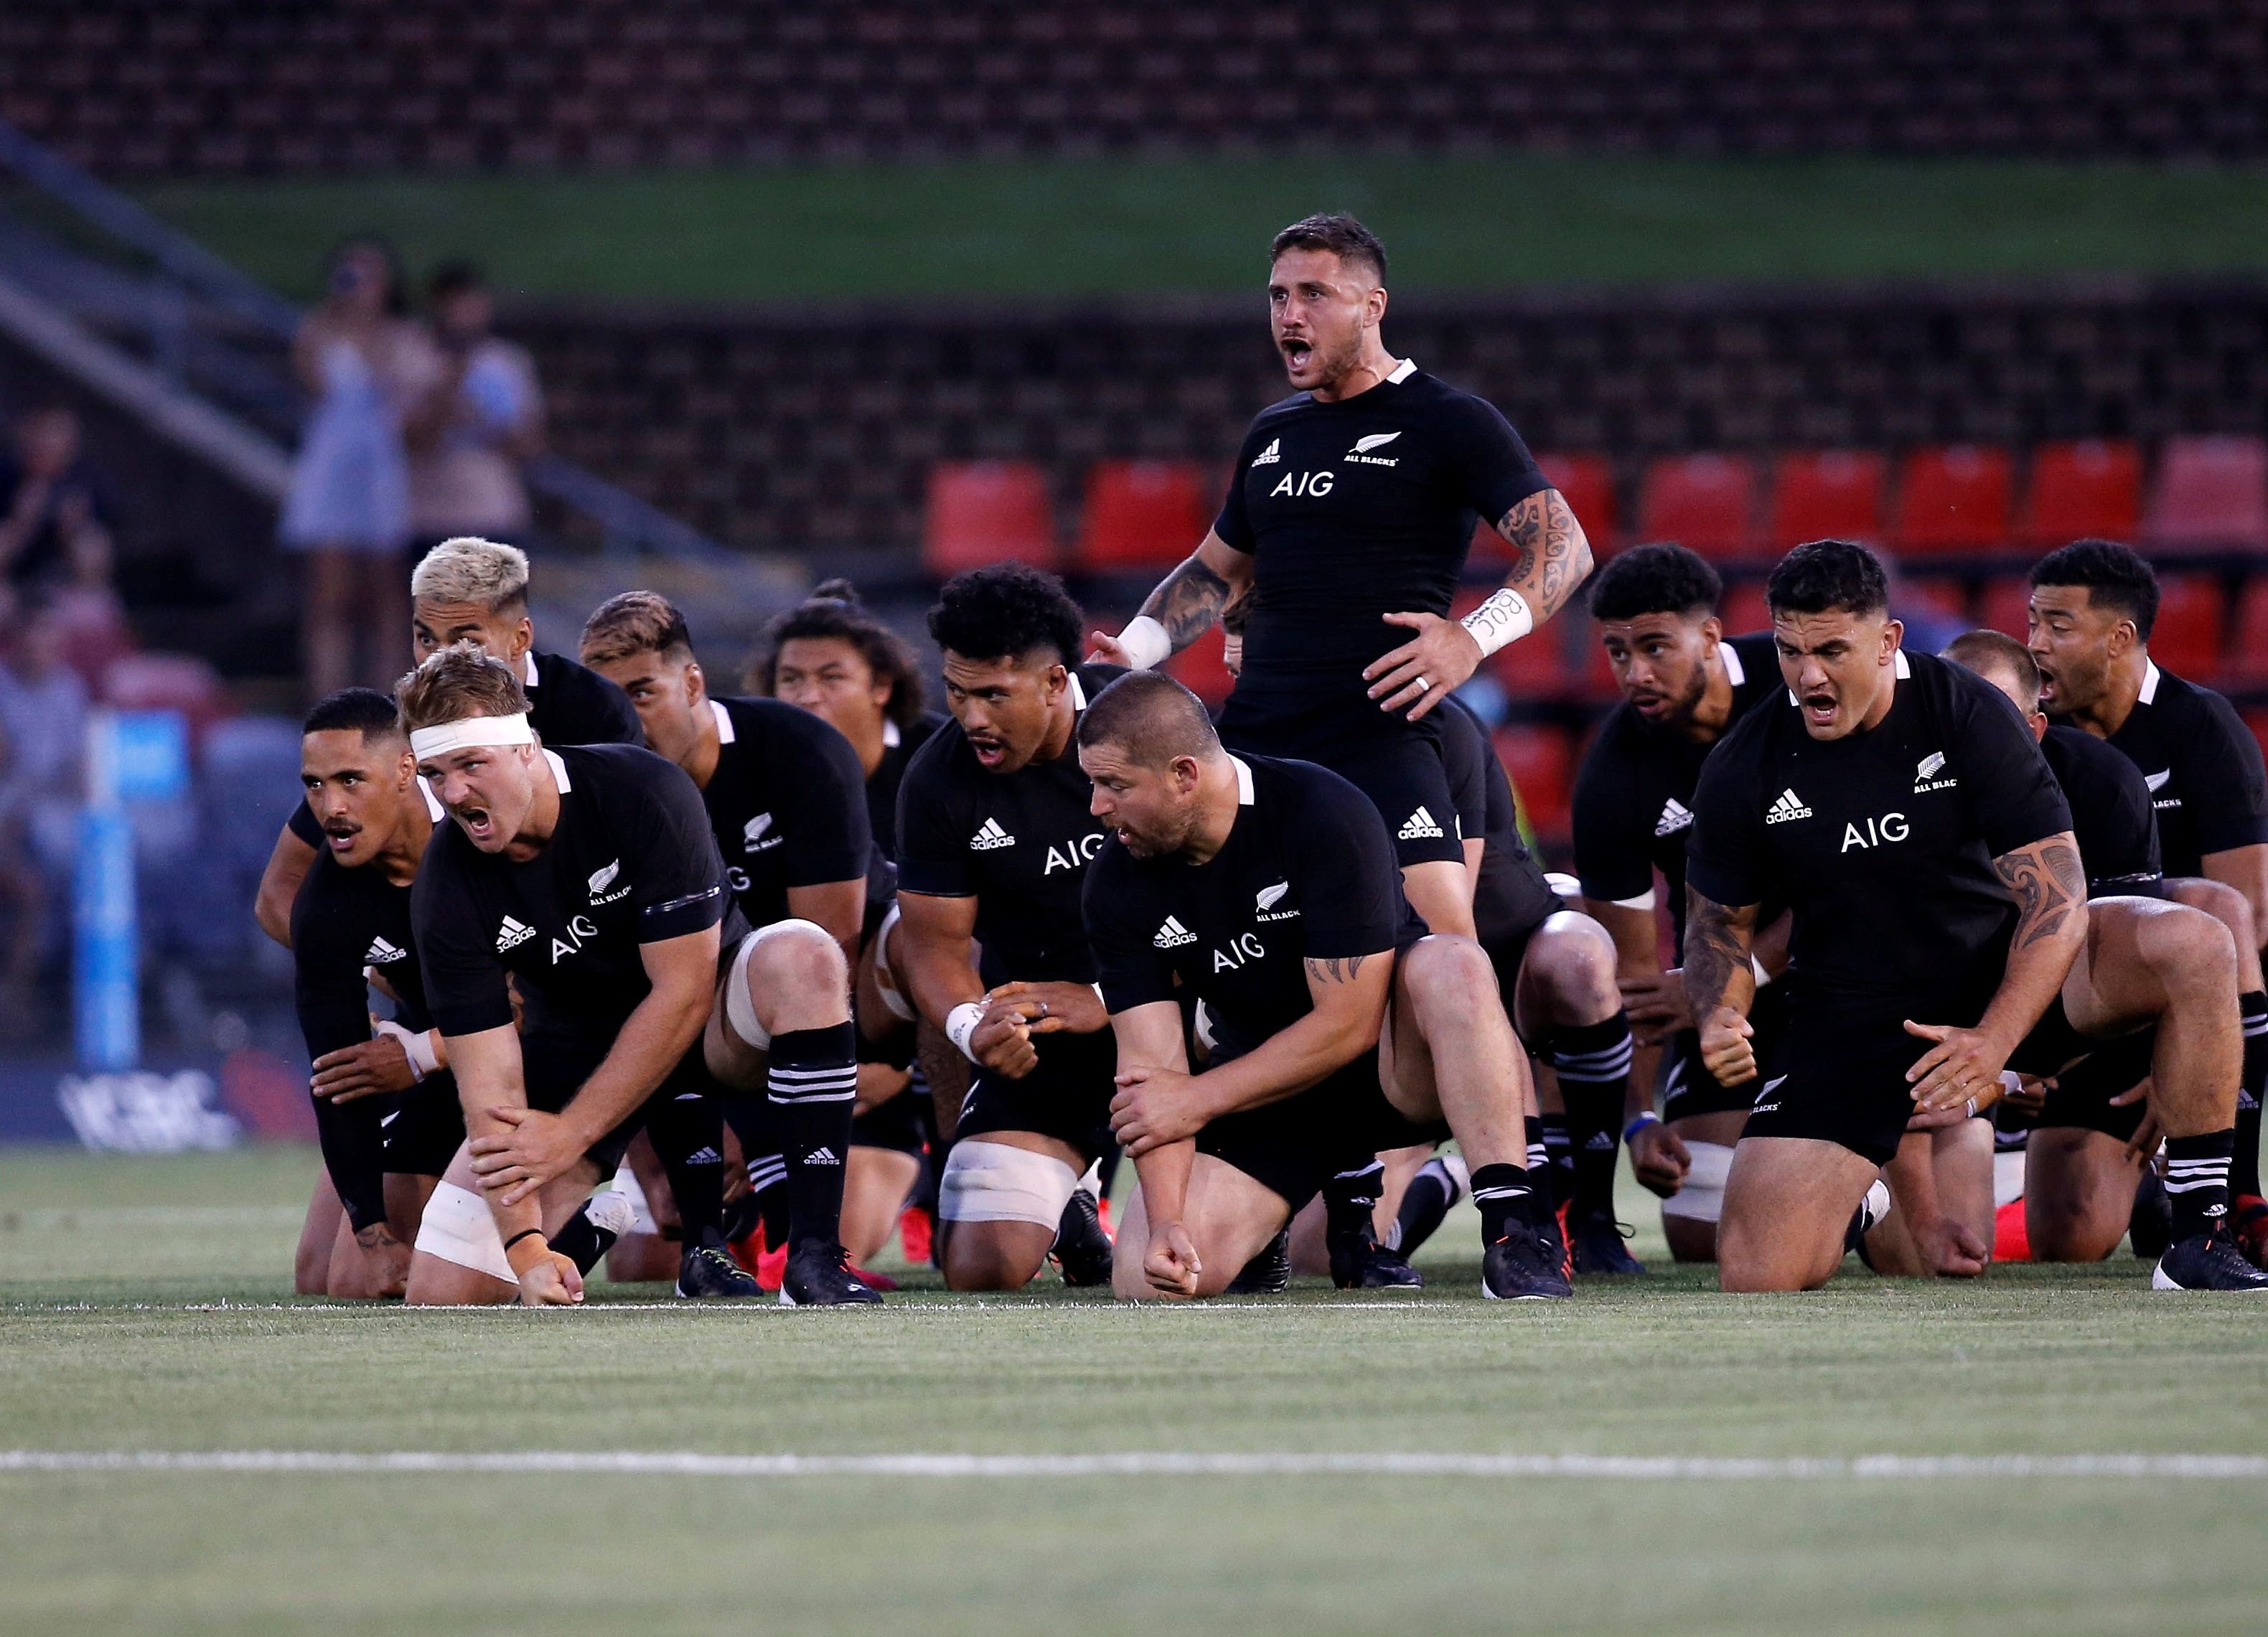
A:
x,y
1424,685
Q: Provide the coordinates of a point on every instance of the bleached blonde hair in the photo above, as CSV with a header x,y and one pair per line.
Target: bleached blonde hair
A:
x,y
469,569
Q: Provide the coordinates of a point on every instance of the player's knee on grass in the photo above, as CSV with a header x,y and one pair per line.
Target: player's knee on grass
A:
x,y
1690,1215
2078,1193
1003,1205
459,1259
1788,1202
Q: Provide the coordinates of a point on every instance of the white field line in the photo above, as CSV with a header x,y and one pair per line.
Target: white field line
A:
x,y
1168,1464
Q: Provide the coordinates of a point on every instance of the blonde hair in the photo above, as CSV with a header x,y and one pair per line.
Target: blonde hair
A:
x,y
467,568
462,680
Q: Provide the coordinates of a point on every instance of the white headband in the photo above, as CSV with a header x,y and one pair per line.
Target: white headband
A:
x,y
428,742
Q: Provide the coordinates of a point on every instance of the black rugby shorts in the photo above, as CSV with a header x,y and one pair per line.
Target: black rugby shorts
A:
x,y
424,1128
902,1123
1066,1097
1688,1087
1396,764
1292,1148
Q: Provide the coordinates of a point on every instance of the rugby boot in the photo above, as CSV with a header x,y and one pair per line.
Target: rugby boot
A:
x,y
1358,1261
1519,1267
1267,1274
818,1275
2248,1217
1081,1250
915,1233
2150,1227
2207,1262
1596,1243
705,1270
872,1281
1553,1232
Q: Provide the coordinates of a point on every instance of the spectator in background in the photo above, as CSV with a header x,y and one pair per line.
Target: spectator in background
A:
x,y
43,718
366,365
481,416
51,505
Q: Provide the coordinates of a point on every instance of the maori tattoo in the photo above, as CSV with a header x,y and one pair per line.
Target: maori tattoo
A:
x,y
1549,552
1187,600
1719,939
1335,969
2046,879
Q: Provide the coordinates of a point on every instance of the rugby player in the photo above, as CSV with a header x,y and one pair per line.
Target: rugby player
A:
x,y
468,590
1267,889
1683,684
994,839
784,798
1941,933
2093,606
2080,1162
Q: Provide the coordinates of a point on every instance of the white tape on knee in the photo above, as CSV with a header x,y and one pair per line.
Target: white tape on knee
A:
x,y
990,1182
1702,1197
739,1005
457,1227
885,980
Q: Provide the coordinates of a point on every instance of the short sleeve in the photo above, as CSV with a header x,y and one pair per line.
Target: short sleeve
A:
x,y
2011,792
831,839
1612,859
1724,857
302,823
464,990
1350,900
328,990
1498,473
933,826
678,888
1234,527
2224,768
1132,971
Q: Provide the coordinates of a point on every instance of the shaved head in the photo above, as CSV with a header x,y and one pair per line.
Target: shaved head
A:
x,y
1149,720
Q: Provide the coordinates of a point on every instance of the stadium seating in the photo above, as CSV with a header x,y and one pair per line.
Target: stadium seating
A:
x,y
2006,604
2192,609
1704,502
981,511
1542,767
1144,514
1951,499
1745,609
2248,647
1823,494
2089,488
2210,493
1586,483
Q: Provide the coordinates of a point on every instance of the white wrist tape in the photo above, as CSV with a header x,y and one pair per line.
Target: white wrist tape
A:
x,y
418,1047
1763,974
1146,643
960,1026
1505,618
428,742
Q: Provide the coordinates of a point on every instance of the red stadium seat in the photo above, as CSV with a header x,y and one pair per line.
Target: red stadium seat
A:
x,y
1198,668
1951,499
2210,493
2192,611
1745,609
1586,483
1143,514
982,512
2248,652
1538,761
1938,592
2006,605
1823,494
1703,502
2092,489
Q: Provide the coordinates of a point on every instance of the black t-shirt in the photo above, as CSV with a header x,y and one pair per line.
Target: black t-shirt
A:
x,y
1511,894
344,920
1307,873
2203,767
567,705
1634,794
1018,842
1354,510
2109,813
899,747
631,862
1881,842
786,802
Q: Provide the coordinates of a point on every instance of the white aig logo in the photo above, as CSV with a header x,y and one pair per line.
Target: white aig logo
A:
x,y
1072,853
1879,832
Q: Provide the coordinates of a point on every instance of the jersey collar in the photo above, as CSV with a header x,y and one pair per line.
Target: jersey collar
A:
x,y
2149,694
434,810
527,668
1733,671
1077,693
724,721
559,772
891,737
1403,371
1243,781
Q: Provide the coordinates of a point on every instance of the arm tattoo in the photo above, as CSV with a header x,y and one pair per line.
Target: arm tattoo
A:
x,y
1187,600
1336,969
1549,553
1718,943
2046,879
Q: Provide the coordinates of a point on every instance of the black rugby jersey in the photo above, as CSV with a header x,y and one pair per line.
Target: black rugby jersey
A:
x,y
567,705
1511,894
1018,842
1354,510
2203,767
2109,813
1633,804
1881,842
631,862
1307,873
786,802
900,746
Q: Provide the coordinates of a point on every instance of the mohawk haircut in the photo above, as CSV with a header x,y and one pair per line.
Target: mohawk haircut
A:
x,y
834,610
2116,576
1654,579
462,680
1340,234
363,711
1986,651
635,622
1004,612
1150,717
484,573
1828,574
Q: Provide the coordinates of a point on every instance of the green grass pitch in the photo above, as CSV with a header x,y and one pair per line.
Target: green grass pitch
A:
x,y
143,1308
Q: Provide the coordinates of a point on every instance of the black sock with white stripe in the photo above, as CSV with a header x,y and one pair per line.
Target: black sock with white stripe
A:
x,y
688,1133
1539,1165
1349,1200
2245,1167
813,1081
1592,1061
1559,1186
1505,1195
2197,1182
1424,1202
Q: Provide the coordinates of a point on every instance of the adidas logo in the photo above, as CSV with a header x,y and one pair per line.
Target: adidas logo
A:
x,y
1676,815
990,836
1599,1142
380,952
1927,771
1270,455
704,1156
821,1156
513,933
1419,826
1787,805
1173,934
1360,454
